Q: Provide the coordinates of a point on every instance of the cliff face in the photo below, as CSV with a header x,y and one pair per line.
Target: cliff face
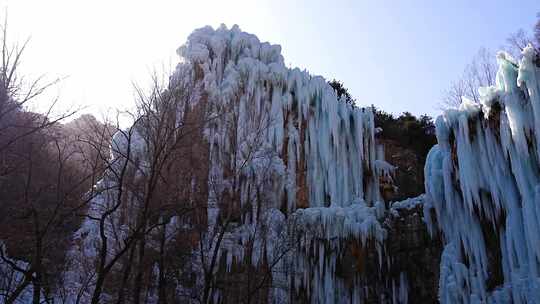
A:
x,y
283,147
482,183
404,141
292,201
407,178
295,117
414,252
277,193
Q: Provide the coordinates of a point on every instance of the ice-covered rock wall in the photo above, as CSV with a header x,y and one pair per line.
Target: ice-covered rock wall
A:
x,y
290,120
483,184
284,157
310,155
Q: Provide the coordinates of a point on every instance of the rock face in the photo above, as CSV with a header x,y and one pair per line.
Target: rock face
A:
x,y
290,174
405,266
414,252
408,174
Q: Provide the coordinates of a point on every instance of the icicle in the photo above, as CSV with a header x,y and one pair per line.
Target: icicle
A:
x,y
483,181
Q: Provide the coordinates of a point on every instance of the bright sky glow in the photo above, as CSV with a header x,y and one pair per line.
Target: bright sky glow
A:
x,y
398,55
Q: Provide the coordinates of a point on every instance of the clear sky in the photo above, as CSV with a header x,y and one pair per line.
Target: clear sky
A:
x,y
398,55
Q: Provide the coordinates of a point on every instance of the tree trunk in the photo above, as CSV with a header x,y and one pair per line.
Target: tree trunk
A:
x,y
162,295
138,279
97,290
13,297
36,283
125,277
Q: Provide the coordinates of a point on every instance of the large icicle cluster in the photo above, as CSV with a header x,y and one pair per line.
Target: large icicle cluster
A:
x,y
293,141
483,181
326,233
284,112
281,142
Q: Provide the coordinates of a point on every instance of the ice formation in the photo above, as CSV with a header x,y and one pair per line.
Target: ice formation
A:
x,y
483,182
325,232
314,153
287,112
281,141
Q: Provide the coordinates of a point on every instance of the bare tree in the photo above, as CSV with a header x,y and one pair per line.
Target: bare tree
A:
x,y
16,94
241,200
43,196
40,184
521,39
517,42
139,196
480,72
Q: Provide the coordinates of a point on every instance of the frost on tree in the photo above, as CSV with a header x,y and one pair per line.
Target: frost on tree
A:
x,y
483,182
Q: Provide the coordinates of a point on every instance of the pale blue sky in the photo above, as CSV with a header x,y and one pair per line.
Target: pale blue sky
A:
x,y
398,55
